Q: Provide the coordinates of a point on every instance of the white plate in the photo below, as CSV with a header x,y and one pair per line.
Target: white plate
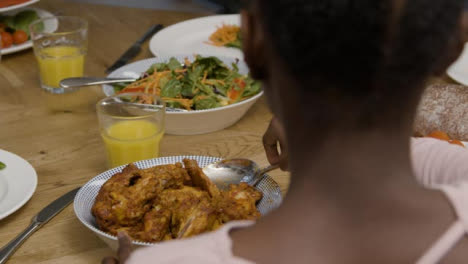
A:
x,y
190,37
18,182
50,26
13,7
458,71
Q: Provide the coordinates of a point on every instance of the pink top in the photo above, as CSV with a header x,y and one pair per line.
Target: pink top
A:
x,y
443,166
209,248
437,165
438,162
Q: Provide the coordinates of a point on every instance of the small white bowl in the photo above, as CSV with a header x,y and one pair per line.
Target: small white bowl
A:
x,y
86,196
196,121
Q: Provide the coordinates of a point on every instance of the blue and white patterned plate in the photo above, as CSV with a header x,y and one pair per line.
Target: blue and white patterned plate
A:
x,y
84,199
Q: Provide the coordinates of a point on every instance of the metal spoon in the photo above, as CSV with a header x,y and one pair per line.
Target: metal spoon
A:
x,y
88,81
235,171
149,107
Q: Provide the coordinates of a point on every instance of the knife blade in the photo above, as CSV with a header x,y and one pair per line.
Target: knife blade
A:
x,y
39,220
55,207
134,49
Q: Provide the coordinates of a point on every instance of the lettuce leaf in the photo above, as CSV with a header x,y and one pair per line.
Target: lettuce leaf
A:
x,y
251,88
203,102
172,89
174,64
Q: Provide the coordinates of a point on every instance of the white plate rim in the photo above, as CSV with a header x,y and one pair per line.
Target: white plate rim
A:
x,y
458,71
32,177
116,73
10,8
160,39
28,44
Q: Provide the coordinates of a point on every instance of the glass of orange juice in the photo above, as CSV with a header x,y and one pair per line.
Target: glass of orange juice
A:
x,y
60,45
131,129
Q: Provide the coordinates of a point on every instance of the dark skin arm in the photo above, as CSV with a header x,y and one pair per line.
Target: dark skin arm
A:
x,y
124,251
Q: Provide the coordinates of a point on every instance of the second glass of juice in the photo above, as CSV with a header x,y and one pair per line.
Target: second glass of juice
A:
x,y
60,45
131,130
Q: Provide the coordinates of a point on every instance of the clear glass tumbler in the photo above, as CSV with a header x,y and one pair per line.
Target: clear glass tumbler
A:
x,y
131,129
60,45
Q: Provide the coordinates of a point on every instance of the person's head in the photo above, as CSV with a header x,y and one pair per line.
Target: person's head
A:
x,y
359,64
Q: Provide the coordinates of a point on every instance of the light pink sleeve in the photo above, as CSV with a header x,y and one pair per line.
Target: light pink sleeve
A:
x,y
437,162
209,248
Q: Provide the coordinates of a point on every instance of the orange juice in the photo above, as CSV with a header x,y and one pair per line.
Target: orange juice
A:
x,y
60,62
130,141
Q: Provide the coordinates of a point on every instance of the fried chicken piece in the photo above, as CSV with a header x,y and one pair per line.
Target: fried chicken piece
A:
x,y
170,201
156,225
125,198
239,203
199,179
192,211
201,219
172,176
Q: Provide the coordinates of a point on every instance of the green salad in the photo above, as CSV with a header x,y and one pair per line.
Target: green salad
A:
x,y
205,83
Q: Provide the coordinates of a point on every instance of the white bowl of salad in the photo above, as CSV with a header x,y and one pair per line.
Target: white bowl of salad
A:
x,y
203,94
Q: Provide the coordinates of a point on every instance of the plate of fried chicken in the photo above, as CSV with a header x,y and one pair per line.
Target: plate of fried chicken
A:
x,y
168,198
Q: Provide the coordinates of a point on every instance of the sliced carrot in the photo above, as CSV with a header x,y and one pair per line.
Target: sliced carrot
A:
x,y
439,135
235,94
456,142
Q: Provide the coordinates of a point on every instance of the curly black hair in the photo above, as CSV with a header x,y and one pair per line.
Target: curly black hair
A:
x,y
363,48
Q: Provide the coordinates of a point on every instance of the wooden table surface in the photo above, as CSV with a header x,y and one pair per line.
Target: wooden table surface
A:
x,y
65,147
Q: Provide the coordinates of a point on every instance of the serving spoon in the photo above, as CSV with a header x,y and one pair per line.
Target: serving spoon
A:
x,y
235,171
77,82
88,81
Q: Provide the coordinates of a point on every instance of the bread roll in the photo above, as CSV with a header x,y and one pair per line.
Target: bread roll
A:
x,y
444,107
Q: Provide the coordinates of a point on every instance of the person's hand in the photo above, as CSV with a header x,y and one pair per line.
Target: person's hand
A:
x,y
125,248
273,138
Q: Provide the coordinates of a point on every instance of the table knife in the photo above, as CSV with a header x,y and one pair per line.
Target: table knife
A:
x,y
39,220
134,49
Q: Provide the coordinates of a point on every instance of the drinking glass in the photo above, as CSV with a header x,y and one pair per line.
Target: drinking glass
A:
x,y
131,131
60,45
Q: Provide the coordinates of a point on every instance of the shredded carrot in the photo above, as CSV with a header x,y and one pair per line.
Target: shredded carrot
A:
x,y
187,62
186,103
224,35
213,82
204,77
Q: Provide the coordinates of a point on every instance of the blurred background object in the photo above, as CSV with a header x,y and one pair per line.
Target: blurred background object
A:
x,y
228,6
444,107
194,6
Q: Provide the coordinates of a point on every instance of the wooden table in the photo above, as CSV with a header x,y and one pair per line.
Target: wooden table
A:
x,y
65,147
